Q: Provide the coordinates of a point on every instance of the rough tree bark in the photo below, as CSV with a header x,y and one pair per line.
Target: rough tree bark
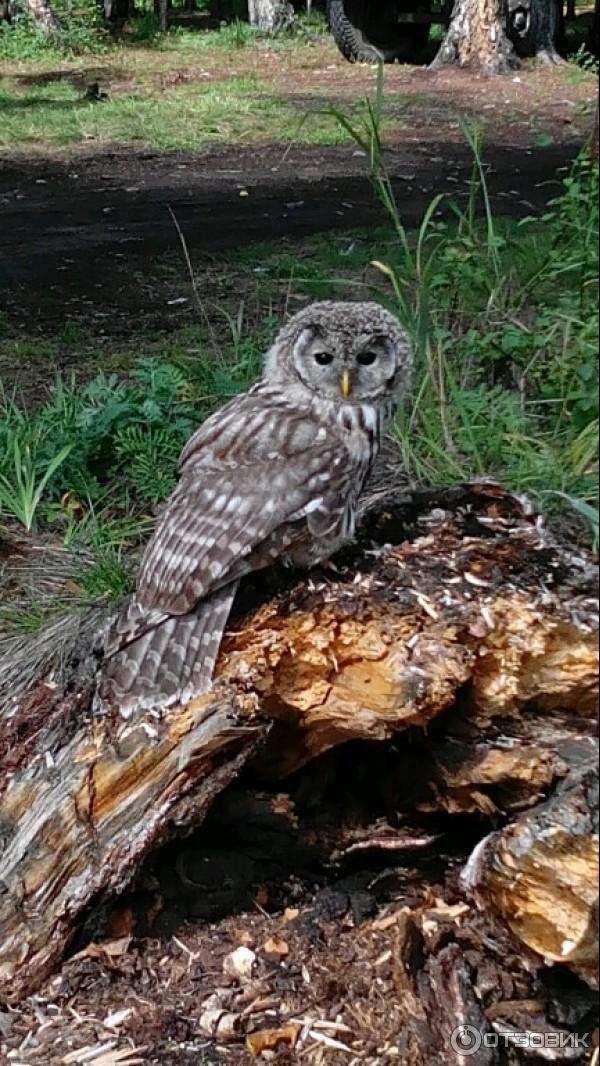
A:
x,y
456,615
535,27
492,35
477,38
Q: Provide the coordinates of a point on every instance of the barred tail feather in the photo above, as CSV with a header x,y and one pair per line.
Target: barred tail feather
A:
x,y
171,661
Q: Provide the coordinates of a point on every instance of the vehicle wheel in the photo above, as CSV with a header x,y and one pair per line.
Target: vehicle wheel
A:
x,y
367,32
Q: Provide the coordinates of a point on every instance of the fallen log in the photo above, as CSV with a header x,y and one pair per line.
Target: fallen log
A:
x,y
457,621
540,874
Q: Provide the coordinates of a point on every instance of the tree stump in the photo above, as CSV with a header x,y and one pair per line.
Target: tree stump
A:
x,y
491,36
456,620
477,38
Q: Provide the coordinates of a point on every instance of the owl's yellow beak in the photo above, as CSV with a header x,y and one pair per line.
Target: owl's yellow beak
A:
x,y
345,384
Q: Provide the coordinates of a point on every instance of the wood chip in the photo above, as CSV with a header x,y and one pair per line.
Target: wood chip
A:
x,y
271,1039
105,949
336,1045
239,964
113,1021
220,1024
277,947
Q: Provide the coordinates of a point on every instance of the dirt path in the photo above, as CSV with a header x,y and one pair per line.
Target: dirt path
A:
x,y
75,229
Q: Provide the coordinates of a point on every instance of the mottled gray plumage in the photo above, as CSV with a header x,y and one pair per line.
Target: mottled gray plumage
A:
x,y
274,474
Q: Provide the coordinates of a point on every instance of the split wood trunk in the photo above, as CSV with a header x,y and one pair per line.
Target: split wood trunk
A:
x,y
457,629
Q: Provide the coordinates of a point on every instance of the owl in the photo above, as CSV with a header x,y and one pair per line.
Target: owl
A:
x,y
275,474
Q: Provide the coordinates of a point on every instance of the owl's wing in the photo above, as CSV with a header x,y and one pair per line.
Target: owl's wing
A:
x,y
254,467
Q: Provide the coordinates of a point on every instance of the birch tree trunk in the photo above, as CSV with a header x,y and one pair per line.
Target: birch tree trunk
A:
x,y
269,15
42,14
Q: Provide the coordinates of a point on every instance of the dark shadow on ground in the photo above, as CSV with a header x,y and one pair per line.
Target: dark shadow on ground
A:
x,y
76,230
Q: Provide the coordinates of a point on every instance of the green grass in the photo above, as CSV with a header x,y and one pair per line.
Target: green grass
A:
x,y
238,109
505,322
82,33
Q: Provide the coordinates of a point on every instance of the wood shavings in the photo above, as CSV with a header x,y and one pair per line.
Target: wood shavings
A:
x,y
271,1039
478,582
239,964
276,947
114,1020
328,1041
220,1024
106,949
124,1057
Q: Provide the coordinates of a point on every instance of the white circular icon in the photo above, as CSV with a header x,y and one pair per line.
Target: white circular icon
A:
x,y
466,1040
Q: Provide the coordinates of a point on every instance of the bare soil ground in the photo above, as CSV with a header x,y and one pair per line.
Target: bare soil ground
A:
x,y
79,233
326,951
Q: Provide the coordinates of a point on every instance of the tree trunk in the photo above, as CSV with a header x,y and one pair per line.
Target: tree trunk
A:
x,y
593,38
117,11
455,617
536,28
161,9
42,14
477,38
269,15
492,36
595,135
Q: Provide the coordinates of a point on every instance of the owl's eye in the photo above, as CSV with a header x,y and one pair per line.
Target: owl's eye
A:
x,y
366,358
323,358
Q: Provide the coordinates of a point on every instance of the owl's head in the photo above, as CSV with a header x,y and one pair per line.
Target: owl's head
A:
x,y
344,352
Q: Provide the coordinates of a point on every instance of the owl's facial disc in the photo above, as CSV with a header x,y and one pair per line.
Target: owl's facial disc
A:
x,y
355,370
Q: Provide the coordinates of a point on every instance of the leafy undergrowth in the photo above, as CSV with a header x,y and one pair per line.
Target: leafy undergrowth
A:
x,y
505,322
82,31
